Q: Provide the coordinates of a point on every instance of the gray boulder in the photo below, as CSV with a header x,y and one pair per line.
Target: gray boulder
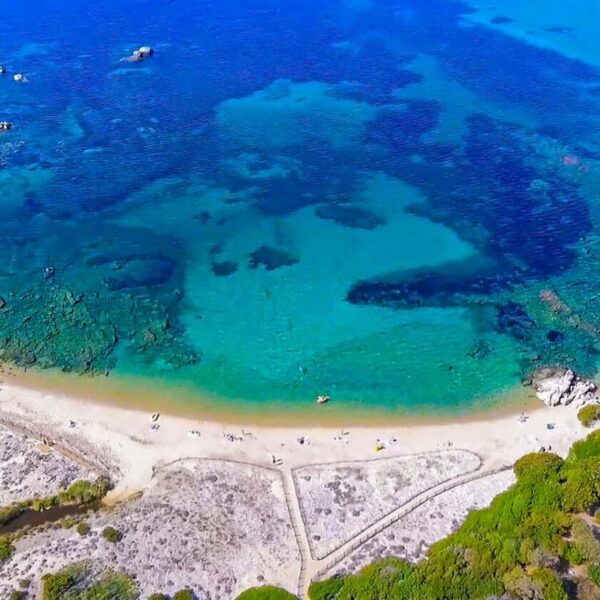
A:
x,y
556,386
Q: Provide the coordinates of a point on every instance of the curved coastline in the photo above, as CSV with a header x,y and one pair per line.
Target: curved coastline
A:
x,y
187,401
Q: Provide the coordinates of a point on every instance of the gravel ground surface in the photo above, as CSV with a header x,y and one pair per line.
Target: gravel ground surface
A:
x,y
338,501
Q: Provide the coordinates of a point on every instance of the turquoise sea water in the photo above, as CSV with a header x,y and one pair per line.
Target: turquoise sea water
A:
x,y
392,203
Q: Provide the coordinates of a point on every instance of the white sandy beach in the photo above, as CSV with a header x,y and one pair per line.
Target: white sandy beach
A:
x,y
123,441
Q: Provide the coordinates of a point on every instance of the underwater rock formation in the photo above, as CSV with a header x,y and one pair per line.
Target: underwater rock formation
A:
x,y
135,270
512,318
350,216
271,258
224,268
451,284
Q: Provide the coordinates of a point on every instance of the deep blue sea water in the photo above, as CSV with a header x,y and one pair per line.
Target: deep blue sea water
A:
x,y
394,203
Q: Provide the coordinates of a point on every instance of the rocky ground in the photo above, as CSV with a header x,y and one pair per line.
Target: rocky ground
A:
x,y
410,537
30,469
339,501
217,526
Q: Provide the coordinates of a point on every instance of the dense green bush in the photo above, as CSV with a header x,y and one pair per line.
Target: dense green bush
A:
x,y
158,597
587,448
111,585
6,548
84,492
516,545
55,586
387,578
589,414
72,583
586,542
68,523
538,464
266,592
593,572
83,528
112,535
183,595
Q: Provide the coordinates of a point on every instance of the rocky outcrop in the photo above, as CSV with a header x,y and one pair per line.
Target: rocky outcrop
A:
x,y
556,385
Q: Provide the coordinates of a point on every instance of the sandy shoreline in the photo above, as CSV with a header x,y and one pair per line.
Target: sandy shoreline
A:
x,y
121,441
182,400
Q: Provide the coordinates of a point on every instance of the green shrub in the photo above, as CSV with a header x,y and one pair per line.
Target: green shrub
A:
x,y
112,585
589,414
329,589
71,583
593,573
158,597
16,595
56,585
112,535
538,464
68,523
581,488
266,592
83,528
548,585
6,548
39,504
587,448
84,492
573,554
11,512
387,578
586,542
183,595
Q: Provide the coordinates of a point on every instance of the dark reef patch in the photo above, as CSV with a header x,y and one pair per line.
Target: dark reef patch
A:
x,y
271,258
559,29
350,216
512,319
451,284
400,128
135,270
554,336
224,268
500,20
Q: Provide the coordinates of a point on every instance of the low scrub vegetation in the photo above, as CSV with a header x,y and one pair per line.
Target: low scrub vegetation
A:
x,y
588,415
266,592
112,535
75,583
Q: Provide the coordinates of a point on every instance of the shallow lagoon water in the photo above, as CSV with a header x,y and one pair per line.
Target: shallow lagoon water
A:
x,y
393,204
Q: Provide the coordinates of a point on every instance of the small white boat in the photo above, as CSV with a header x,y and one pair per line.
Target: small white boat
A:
x,y
323,399
145,51
141,53
19,78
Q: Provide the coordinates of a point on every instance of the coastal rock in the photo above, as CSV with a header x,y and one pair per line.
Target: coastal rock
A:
x,y
556,386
